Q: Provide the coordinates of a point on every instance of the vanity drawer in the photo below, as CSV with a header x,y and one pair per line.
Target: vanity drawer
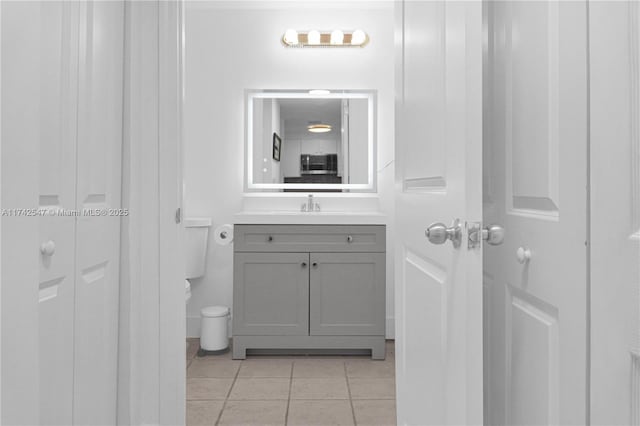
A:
x,y
311,238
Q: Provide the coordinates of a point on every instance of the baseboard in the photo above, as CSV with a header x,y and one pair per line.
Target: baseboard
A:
x,y
391,328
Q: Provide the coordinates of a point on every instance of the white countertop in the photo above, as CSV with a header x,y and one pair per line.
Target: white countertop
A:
x,y
314,218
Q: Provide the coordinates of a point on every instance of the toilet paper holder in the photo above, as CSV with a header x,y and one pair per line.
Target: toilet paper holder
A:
x,y
223,234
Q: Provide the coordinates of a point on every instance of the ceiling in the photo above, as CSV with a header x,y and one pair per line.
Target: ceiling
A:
x,y
301,111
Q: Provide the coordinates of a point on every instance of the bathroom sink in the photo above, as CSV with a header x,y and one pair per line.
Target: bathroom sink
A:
x,y
284,217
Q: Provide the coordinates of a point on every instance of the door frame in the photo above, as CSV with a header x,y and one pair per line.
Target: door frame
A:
x,y
152,367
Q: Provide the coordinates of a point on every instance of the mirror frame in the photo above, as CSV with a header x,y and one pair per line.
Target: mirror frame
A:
x,y
370,186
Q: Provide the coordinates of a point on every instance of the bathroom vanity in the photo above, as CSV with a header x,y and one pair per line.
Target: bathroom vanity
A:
x,y
309,286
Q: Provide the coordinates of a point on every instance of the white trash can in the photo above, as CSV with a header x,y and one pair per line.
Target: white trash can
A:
x,y
213,332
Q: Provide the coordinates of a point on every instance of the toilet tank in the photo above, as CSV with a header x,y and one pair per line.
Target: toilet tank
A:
x,y
196,238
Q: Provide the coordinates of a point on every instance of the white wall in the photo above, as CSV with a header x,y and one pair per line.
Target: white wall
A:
x,y
266,121
231,50
358,138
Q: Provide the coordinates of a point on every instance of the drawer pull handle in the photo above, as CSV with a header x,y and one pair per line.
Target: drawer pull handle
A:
x,y
349,239
304,264
314,264
270,238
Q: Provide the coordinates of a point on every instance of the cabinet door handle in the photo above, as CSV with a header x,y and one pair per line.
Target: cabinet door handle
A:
x,y
304,264
349,239
314,264
270,238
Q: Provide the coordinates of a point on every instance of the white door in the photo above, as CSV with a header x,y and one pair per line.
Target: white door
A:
x,y
614,91
61,154
99,151
438,179
58,56
536,187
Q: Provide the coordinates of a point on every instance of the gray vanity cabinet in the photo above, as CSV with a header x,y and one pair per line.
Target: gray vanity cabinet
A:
x,y
274,291
309,287
347,294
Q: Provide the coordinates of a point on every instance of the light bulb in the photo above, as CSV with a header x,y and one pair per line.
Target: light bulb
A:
x,y
337,37
291,37
358,37
313,37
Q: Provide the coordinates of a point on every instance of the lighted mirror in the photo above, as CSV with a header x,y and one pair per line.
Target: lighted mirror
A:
x,y
310,141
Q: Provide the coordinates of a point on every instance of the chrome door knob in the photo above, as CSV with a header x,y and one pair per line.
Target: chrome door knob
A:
x,y
523,254
438,233
48,248
493,234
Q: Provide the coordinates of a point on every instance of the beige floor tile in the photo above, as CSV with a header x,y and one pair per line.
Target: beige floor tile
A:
x,y
260,389
323,413
266,367
319,368
207,388
369,368
378,413
254,413
203,413
316,388
372,388
391,347
211,366
192,347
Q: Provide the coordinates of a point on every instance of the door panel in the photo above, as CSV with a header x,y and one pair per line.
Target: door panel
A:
x,y
347,294
98,196
532,333
614,89
438,179
532,132
537,136
57,145
271,294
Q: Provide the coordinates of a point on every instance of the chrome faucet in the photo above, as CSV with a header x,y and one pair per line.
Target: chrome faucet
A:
x,y
310,205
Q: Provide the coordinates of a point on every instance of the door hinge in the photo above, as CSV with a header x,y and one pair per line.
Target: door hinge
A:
x,y
178,215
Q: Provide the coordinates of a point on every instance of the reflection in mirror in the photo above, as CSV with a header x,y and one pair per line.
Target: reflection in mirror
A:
x,y
299,142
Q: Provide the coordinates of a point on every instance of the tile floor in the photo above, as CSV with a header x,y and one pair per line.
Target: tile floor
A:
x,y
290,390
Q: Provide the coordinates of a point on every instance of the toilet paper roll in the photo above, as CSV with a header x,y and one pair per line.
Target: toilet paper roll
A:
x,y
223,234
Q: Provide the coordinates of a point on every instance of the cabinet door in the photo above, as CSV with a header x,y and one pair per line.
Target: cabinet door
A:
x,y
347,294
271,294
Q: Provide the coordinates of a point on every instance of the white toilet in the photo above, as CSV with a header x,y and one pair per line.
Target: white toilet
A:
x,y
196,237
213,334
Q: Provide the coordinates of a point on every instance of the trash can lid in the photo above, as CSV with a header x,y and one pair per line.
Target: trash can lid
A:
x,y
214,311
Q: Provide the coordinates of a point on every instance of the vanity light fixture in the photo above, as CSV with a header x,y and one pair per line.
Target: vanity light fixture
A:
x,y
315,38
319,128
